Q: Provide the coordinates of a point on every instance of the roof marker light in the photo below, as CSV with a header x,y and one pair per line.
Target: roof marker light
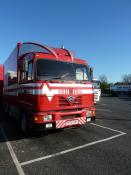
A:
x,y
62,47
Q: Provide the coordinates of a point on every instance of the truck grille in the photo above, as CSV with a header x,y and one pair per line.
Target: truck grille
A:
x,y
64,102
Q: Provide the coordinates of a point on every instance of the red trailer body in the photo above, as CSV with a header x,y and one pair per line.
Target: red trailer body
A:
x,y
47,88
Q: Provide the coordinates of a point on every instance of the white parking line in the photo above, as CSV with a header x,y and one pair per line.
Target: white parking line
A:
x,y
12,153
78,147
108,128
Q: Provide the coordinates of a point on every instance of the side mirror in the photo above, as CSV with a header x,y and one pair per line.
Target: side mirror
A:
x,y
91,73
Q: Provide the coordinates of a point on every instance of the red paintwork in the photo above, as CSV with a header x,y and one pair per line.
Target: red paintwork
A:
x,y
60,57
37,104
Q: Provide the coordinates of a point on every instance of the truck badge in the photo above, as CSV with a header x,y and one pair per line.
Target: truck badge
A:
x,y
71,99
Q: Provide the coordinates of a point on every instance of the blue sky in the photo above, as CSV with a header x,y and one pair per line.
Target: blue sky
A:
x,y
96,30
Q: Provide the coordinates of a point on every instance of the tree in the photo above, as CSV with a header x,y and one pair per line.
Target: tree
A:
x,y
103,79
126,78
129,78
104,83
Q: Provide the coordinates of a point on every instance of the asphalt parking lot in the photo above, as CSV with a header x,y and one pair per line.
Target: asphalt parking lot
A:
x,y
100,148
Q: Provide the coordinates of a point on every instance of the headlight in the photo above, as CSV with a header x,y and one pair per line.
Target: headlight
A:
x,y
47,118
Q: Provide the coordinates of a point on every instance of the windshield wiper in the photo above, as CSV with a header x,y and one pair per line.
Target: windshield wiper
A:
x,y
82,81
54,78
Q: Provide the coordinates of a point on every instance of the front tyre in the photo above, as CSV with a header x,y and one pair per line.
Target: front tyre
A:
x,y
25,125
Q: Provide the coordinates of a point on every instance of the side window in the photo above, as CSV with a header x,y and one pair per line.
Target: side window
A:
x,y
23,72
26,70
30,75
81,74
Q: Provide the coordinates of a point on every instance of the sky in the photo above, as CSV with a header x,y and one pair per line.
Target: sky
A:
x,y
96,30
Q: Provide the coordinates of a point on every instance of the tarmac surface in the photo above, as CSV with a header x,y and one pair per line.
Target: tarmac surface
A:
x,y
100,148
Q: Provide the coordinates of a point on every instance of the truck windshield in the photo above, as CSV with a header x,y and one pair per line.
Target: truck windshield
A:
x,y
50,69
96,84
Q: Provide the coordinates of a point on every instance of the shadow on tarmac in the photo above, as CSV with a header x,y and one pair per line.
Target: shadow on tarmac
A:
x,y
115,119
13,131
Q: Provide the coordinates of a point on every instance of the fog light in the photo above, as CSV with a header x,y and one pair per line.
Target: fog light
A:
x,y
47,118
94,113
88,113
36,118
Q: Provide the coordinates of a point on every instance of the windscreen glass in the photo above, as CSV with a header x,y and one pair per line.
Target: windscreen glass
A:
x,y
50,69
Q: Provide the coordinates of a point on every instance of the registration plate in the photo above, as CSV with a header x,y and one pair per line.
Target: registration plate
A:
x,y
72,122
88,119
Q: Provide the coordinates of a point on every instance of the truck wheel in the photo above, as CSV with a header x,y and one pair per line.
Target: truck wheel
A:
x,y
25,125
5,107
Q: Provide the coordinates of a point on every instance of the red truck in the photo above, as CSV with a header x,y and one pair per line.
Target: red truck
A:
x,y
47,88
